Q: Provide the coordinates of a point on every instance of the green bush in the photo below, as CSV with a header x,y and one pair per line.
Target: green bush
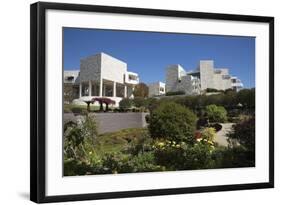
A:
x,y
202,122
139,102
232,157
120,163
116,162
139,145
77,110
145,162
216,113
212,90
180,92
79,139
244,134
125,103
75,168
152,104
173,122
67,110
184,156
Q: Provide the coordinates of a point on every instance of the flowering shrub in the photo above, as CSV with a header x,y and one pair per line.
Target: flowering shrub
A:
x,y
182,156
208,135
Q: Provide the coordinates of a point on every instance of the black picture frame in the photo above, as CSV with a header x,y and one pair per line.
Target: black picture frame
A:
x,y
38,101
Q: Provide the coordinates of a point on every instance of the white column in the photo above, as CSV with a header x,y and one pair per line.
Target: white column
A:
x,y
125,91
90,88
104,89
114,89
133,88
80,90
101,87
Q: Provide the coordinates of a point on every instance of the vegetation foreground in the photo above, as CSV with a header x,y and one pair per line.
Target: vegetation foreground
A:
x,y
180,136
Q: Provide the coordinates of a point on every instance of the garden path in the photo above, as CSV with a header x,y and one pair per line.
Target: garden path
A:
x,y
220,137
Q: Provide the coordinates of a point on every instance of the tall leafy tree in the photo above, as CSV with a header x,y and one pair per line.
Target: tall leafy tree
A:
x,y
141,90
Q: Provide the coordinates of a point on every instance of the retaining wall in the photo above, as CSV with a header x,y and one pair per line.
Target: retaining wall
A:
x,y
111,122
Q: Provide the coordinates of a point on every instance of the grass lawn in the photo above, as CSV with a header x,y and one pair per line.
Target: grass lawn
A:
x,y
117,141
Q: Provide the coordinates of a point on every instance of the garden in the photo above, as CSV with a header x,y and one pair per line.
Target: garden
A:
x,y
180,135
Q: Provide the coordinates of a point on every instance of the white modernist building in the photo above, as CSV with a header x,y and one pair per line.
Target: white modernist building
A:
x,y
102,75
205,76
156,89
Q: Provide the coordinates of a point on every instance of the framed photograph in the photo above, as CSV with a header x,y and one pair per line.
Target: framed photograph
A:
x,y
129,102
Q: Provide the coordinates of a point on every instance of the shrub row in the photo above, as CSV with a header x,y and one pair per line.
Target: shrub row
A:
x,y
180,92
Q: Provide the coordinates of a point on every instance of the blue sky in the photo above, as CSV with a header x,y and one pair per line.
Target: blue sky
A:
x,y
149,53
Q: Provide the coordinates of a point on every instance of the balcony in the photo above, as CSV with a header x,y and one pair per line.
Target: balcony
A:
x,y
69,79
131,78
237,84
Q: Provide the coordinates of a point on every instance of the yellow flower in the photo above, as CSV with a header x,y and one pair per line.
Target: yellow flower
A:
x,y
161,144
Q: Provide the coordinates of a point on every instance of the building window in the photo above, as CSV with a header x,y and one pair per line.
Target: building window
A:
x,y
133,77
76,91
85,89
95,89
226,76
120,90
161,89
69,78
107,88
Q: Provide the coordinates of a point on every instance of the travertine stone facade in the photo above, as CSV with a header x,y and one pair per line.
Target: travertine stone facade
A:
x,y
104,76
90,68
71,76
156,89
178,80
205,76
206,69
113,69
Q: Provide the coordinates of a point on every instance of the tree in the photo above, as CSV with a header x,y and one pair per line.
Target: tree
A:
x,y
171,121
141,90
246,97
216,113
106,101
244,134
68,93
